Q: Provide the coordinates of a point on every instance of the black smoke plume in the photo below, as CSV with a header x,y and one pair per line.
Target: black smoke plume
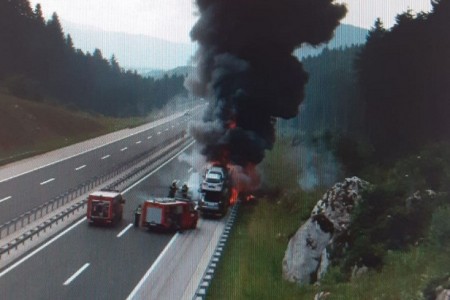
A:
x,y
246,68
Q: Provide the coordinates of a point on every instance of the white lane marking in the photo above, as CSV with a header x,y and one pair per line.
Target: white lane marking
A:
x,y
25,258
123,149
167,129
106,156
80,167
138,142
75,275
158,133
160,122
157,169
149,137
47,181
190,170
13,266
124,230
173,126
6,198
152,268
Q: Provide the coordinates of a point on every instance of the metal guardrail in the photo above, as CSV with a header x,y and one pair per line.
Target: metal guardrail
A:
x,y
208,275
41,227
40,211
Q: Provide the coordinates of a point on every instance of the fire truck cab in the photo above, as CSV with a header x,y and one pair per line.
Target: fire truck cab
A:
x,y
169,214
105,207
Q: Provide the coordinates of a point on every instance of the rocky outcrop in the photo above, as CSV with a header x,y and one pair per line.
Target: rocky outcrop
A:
x,y
306,258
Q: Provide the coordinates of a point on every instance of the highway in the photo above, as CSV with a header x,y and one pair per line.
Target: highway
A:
x,y
89,262
23,192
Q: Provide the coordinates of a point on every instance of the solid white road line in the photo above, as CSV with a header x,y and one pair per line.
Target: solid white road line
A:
x,y
6,198
138,142
75,275
80,167
123,149
92,149
106,156
47,181
124,230
25,258
154,265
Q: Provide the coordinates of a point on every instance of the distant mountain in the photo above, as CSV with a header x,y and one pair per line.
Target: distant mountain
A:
x,y
344,36
182,70
153,57
132,51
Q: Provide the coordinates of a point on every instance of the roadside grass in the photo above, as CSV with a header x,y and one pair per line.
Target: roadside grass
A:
x,y
251,266
29,128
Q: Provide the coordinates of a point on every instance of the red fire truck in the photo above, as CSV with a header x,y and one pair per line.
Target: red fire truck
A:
x,y
168,214
105,207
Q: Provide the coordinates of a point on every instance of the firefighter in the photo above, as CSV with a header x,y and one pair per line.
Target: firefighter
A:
x,y
184,190
173,189
137,215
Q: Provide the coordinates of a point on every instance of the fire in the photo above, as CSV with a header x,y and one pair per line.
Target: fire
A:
x,y
249,198
234,195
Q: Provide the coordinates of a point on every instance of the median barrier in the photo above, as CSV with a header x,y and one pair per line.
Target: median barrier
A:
x,y
25,219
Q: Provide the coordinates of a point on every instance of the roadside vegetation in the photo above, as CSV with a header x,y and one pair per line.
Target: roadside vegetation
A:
x,y
395,137
251,265
28,128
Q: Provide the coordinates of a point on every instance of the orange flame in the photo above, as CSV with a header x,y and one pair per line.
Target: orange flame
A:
x,y
234,196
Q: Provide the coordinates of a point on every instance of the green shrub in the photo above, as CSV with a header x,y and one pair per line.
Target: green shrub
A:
x,y
440,227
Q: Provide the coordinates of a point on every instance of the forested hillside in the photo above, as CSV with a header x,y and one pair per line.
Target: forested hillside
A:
x,y
37,61
404,77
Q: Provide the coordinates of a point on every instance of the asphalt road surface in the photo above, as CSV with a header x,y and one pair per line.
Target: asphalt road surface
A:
x,y
19,194
88,262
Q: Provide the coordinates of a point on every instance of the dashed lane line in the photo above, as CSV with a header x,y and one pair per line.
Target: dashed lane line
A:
x,y
80,167
4,199
124,230
47,181
76,274
105,157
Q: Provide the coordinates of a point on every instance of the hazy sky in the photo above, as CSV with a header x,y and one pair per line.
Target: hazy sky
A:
x,y
172,19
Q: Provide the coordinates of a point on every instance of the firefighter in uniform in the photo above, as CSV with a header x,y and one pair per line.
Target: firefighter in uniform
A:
x,y
184,190
173,189
137,215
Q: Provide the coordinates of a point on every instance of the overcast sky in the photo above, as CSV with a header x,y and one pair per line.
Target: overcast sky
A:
x,y
172,19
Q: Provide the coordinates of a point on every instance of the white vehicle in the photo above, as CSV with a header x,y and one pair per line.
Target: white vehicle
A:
x,y
215,179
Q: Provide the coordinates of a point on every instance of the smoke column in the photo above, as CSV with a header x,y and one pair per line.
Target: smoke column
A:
x,y
246,69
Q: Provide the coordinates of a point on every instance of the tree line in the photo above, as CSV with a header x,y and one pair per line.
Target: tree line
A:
x,y
392,94
404,79
38,61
